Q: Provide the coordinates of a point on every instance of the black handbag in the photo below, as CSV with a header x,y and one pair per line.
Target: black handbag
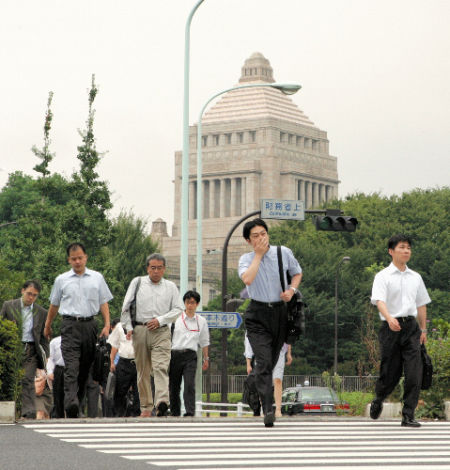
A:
x,y
427,368
296,324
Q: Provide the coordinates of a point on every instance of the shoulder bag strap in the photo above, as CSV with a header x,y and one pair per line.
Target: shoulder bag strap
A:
x,y
280,267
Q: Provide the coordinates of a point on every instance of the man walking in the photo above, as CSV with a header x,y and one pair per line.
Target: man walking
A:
x,y
266,316
30,317
157,304
78,295
125,370
401,297
189,333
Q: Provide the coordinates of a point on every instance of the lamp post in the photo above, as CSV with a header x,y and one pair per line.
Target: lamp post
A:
x,y
185,159
285,88
345,259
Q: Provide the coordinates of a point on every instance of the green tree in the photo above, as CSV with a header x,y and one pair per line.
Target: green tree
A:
x,y
45,155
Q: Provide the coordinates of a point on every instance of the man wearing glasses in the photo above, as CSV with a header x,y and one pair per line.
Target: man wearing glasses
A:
x,y
189,333
266,315
157,303
30,317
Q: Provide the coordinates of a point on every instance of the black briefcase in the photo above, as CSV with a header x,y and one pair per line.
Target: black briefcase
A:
x,y
427,368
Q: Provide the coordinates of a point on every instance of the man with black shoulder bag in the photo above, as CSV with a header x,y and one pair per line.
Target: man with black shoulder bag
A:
x,y
266,316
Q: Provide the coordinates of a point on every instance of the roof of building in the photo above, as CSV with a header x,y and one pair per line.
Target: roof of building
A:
x,y
255,102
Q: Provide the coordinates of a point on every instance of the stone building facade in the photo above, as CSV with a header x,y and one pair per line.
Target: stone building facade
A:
x,y
256,143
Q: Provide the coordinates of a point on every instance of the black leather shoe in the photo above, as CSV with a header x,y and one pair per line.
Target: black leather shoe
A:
x,y
162,409
72,411
410,422
30,415
376,407
269,419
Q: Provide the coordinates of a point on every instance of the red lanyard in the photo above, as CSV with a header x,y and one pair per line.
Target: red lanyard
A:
x,y
195,316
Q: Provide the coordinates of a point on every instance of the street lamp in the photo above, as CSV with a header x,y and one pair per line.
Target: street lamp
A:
x,y
185,160
285,88
345,259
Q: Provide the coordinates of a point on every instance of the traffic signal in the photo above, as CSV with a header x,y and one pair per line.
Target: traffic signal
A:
x,y
336,223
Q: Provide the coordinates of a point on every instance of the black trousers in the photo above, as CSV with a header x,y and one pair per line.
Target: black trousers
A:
x,y
58,392
126,378
266,326
183,365
78,341
30,364
400,353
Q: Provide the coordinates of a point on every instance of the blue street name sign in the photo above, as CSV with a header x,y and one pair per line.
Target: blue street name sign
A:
x,y
282,209
222,319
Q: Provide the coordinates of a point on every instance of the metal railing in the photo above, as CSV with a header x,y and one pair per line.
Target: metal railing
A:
x,y
349,383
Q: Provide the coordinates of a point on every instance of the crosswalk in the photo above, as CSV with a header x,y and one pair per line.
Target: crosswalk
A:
x,y
233,444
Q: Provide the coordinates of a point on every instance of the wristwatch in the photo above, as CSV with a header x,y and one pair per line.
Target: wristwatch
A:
x,y
294,289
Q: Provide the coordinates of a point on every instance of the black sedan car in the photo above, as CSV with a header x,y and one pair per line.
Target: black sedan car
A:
x,y
311,400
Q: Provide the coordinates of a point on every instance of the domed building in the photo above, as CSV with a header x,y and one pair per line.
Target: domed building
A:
x,y
256,144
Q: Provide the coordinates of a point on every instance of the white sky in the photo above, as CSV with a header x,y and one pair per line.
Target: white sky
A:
x,y
375,76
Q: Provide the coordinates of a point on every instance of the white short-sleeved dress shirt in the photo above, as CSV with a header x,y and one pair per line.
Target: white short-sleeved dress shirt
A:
x,y
190,333
401,291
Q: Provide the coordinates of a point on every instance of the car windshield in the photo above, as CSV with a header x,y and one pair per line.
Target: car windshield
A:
x,y
323,394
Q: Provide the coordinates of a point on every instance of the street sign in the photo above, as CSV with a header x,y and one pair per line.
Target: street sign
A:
x,y
282,209
222,319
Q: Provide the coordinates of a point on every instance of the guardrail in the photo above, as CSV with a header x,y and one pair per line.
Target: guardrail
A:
x,y
236,382
222,408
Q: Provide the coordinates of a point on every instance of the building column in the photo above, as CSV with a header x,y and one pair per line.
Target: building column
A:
x,y
309,195
315,195
233,198
243,196
206,198
222,205
212,199
322,193
192,199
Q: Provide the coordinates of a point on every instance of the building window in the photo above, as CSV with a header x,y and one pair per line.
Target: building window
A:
x,y
204,140
252,135
216,139
212,294
299,140
240,136
290,139
282,136
228,138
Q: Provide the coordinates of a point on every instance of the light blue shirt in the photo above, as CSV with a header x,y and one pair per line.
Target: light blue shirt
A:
x,y
27,323
80,295
266,287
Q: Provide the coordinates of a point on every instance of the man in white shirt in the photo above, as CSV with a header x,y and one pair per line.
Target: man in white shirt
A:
x,y
401,297
190,332
157,304
125,371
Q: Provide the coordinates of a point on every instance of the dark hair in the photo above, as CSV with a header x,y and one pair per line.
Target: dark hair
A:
x,y
192,294
396,239
33,283
157,257
251,224
74,246
114,322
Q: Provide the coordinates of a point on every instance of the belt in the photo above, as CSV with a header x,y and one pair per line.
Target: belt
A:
x,y
139,323
267,304
27,342
73,318
126,359
405,319
183,351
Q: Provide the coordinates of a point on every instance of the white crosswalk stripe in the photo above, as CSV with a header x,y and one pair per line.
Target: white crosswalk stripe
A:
x,y
245,444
